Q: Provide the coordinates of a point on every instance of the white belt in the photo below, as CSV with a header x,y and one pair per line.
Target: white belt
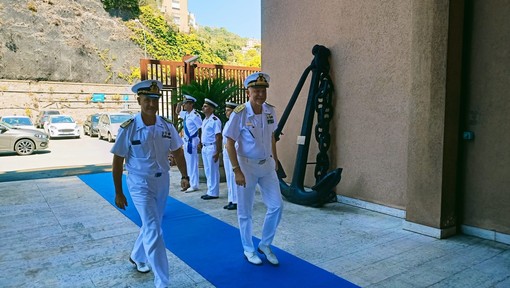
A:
x,y
207,144
253,161
156,175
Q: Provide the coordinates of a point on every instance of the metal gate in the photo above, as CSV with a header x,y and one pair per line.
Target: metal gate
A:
x,y
174,74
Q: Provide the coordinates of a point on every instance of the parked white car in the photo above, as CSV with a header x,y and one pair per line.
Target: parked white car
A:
x,y
109,124
61,126
18,121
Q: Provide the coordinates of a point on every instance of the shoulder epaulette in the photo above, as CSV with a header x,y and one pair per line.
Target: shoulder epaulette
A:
x,y
240,108
269,104
166,119
126,123
196,112
214,118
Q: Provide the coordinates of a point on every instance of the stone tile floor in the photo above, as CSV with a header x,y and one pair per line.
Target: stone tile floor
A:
x,y
57,232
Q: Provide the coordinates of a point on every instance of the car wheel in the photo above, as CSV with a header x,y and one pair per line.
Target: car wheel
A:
x,y
24,147
110,138
85,132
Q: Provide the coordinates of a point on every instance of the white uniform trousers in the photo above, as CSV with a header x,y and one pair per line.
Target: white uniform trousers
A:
x,y
230,178
265,176
192,162
149,194
211,170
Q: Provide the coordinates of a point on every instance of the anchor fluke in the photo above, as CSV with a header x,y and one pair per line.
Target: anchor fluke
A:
x,y
329,181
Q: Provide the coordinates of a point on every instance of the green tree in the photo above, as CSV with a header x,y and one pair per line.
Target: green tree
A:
x,y
120,7
223,43
163,40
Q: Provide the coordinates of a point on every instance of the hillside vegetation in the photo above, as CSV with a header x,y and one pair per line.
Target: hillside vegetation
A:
x,y
80,41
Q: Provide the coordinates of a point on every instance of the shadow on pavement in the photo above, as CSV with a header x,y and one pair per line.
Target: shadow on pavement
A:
x,y
9,153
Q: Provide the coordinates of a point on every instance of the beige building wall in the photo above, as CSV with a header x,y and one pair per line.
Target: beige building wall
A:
x,y
371,43
178,11
402,97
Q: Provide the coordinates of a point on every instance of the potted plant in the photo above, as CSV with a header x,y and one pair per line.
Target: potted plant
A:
x,y
218,90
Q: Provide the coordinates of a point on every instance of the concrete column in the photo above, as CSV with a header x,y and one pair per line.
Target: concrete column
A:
x,y
434,114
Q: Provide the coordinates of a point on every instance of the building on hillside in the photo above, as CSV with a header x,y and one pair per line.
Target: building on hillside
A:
x,y
251,44
420,105
192,21
178,11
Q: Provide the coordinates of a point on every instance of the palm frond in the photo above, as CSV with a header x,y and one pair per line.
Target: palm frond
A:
x,y
217,90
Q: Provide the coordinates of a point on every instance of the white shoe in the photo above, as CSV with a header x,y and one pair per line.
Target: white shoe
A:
x,y
140,266
253,258
191,189
269,254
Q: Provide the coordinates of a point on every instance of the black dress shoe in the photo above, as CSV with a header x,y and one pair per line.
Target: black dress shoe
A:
x,y
231,206
203,196
208,197
228,205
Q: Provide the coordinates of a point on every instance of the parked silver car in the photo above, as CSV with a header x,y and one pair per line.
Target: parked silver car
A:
x,y
22,141
109,124
18,121
90,125
43,117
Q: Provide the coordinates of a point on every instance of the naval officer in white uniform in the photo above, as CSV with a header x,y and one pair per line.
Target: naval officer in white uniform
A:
x,y
144,143
192,122
229,174
211,149
254,161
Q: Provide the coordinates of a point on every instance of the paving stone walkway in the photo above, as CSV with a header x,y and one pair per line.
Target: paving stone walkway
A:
x,y
57,232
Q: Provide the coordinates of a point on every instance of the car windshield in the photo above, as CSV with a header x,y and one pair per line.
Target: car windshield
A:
x,y
120,118
95,118
17,120
61,119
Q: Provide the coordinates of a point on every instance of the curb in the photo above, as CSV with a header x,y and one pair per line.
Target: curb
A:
x,y
53,172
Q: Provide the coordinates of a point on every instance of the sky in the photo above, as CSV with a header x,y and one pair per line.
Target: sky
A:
x,y
241,17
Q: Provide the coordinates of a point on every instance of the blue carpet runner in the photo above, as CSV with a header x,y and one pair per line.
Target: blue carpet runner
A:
x,y
213,248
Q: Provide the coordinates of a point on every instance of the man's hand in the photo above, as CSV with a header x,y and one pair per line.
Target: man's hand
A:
x,y
239,176
216,156
121,201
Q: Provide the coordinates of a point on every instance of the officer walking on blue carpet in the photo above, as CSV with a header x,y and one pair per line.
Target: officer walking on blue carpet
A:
x,y
192,122
254,161
144,143
211,149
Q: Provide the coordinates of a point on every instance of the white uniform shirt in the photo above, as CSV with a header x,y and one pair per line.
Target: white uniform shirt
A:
x,y
193,121
252,133
210,127
146,148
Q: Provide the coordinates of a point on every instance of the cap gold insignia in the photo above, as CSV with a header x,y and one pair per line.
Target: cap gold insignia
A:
x,y
153,90
261,81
